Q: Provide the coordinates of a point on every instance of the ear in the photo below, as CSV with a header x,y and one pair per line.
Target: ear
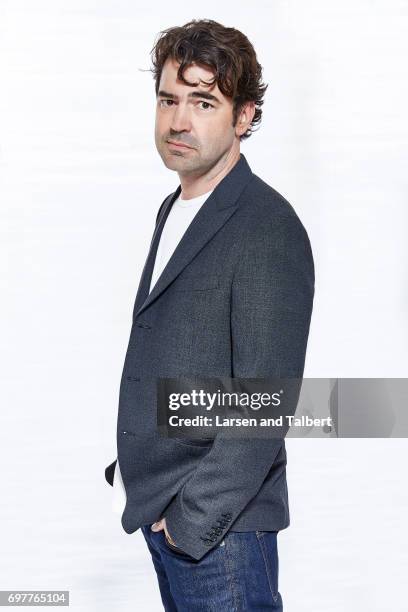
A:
x,y
244,118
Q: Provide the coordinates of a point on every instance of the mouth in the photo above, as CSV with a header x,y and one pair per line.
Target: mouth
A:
x,y
178,145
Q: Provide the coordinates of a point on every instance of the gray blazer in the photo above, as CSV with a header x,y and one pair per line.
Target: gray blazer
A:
x,y
235,300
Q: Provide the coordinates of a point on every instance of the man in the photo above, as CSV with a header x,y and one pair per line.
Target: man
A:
x,y
226,291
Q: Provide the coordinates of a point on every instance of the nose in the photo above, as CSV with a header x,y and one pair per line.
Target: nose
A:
x,y
180,121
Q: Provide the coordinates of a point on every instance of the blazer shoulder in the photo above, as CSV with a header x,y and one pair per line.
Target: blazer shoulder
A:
x,y
265,208
269,223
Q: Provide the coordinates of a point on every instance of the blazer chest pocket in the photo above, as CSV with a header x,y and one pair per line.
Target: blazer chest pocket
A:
x,y
196,283
199,442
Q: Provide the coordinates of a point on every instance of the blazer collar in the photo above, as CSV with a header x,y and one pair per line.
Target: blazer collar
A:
x,y
216,210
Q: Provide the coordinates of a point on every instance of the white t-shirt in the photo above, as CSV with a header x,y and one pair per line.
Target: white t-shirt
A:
x,y
179,218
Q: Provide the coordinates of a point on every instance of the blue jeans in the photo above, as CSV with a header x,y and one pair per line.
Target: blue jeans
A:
x,y
240,574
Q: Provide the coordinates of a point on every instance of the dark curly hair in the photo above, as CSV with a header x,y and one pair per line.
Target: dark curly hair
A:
x,y
226,51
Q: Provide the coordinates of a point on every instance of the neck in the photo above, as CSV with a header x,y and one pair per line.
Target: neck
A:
x,y
194,186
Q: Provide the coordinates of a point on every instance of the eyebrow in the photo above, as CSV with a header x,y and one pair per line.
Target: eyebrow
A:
x,y
193,94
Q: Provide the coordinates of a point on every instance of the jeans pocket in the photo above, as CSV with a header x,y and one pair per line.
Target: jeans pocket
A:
x,y
269,549
176,550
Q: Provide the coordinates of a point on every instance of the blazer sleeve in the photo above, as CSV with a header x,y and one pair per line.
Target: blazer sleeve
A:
x,y
271,307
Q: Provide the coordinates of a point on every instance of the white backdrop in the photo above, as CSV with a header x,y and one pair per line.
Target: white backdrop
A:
x,y
81,183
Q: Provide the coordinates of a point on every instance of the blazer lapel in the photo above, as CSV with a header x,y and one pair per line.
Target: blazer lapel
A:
x,y
147,272
213,214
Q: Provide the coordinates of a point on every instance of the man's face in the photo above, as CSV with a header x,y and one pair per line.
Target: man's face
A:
x,y
199,116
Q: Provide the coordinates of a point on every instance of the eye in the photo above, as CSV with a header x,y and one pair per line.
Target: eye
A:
x,y
205,102
165,100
